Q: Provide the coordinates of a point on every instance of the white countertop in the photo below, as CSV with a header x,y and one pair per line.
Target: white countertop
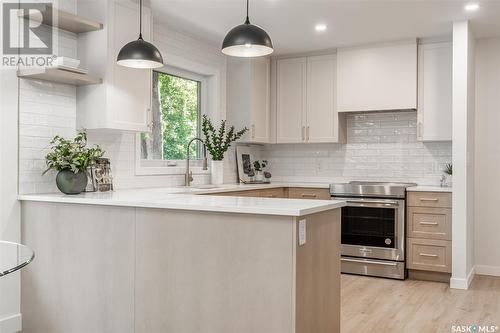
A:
x,y
425,188
187,199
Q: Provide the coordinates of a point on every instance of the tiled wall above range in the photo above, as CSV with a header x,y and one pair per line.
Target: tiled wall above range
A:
x,y
380,146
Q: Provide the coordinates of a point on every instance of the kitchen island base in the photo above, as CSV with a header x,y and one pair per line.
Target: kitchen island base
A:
x,y
127,269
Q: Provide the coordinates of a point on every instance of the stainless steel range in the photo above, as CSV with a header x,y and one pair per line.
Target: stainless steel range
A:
x,y
373,228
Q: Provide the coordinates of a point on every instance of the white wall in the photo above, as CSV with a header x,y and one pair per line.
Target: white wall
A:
x,y
380,146
487,161
10,229
463,155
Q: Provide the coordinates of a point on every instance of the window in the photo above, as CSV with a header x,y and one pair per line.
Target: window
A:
x,y
176,110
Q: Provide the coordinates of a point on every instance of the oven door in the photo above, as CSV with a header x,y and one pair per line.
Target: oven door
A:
x,y
373,228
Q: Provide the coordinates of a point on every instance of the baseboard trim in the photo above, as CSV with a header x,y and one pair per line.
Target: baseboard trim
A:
x,y
11,324
488,270
458,283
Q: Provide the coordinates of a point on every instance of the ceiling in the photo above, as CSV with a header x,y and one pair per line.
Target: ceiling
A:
x,y
290,23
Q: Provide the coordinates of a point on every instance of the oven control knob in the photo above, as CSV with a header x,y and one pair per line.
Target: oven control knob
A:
x,y
388,241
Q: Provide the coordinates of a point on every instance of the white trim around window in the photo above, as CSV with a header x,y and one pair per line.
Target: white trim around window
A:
x,y
209,104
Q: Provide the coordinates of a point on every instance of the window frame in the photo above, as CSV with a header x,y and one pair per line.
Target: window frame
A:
x,y
176,167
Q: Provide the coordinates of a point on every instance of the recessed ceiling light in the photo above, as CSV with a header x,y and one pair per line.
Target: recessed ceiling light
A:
x,y
320,27
471,7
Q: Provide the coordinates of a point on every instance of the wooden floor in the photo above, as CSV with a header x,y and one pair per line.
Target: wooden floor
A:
x,y
381,305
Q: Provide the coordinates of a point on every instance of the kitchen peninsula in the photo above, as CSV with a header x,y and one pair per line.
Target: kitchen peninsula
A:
x,y
169,260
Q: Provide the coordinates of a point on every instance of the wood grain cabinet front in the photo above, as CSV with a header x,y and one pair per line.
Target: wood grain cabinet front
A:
x,y
279,192
428,241
429,199
430,223
429,255
309,193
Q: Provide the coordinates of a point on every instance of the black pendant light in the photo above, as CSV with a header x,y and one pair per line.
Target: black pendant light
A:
x,y
247,40
139,53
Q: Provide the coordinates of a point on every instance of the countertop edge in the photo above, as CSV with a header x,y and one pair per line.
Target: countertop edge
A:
x,y
294,212
429,188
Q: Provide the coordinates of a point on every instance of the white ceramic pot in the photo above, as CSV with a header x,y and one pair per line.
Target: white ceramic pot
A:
x,y
449,180
216,169
259,176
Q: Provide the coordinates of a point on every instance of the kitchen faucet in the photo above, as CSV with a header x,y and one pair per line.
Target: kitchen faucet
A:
x,y
189,174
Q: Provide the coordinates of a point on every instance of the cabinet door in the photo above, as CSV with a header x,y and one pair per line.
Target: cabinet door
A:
x,y
260,127
130,88
435,92
322,120
291,99
377,78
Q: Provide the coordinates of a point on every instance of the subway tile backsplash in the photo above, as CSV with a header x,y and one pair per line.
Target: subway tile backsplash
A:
x,y
381,146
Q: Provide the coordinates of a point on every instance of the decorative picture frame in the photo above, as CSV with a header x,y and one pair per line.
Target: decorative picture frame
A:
x,y
246,155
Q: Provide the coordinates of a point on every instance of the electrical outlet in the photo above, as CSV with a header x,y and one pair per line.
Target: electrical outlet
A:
x,y
302,232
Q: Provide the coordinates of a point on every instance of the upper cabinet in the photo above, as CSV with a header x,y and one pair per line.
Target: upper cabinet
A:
x,y
305,110
382,77
434,92
291,100
123,101
248,102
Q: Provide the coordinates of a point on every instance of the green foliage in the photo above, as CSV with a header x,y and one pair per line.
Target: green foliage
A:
x,y
71,154
448,169
259,165
179,111
219,140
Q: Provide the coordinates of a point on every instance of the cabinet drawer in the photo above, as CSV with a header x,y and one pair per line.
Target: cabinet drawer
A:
x,y
429,255
429,199
309,193
250,193
429,223
273,193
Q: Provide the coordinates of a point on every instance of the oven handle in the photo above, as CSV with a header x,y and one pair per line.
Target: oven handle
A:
x,y
364,261
372,203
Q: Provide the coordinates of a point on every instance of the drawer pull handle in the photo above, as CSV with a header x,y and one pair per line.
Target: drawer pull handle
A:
x,y
428,255
428,223
309,195
270,196
429,199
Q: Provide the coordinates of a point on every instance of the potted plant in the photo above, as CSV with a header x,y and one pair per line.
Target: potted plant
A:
x,y
218,142
71,159
259,166
448,170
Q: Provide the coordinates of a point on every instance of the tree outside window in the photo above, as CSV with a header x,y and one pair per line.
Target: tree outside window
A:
x,y
176,114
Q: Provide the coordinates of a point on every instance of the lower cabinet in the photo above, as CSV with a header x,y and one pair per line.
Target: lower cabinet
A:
x,y
309,193
429,254
282,192
428,242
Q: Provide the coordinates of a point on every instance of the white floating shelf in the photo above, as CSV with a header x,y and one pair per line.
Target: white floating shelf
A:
x,y
65,20
58,75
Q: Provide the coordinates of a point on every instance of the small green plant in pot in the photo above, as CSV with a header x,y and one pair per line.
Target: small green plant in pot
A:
x,y
218,141
71,159
448,175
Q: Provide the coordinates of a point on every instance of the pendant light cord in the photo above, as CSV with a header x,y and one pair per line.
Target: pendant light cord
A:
x,y
140,19
247,21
